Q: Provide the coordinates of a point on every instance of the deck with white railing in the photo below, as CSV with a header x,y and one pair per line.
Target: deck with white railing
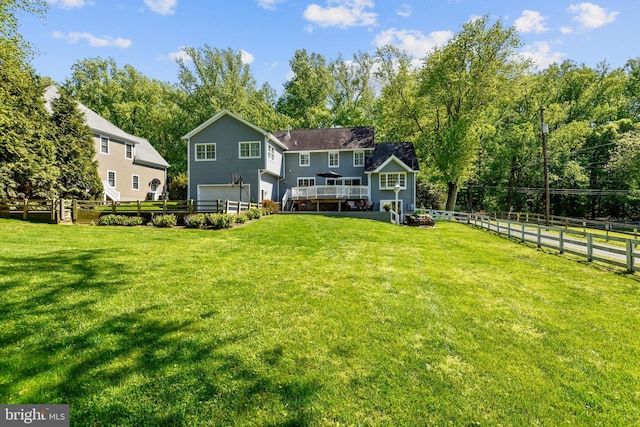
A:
x,y
330,192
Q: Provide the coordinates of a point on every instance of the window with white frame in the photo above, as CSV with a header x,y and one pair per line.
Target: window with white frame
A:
x,y
358,159
344,181
250,150
205,152
128,150
271,152
388,181
304,159
306,182
104,145
111,178
334,159
135,182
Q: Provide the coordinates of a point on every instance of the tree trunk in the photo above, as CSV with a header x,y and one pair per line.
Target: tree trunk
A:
x,y
452,195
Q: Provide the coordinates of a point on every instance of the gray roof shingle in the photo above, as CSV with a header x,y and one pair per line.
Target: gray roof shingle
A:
x,y
404,151
358,138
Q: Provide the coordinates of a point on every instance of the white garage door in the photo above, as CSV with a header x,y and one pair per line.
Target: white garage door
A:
x,y
208,194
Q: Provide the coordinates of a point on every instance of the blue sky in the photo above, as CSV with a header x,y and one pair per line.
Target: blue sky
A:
x,y
149,34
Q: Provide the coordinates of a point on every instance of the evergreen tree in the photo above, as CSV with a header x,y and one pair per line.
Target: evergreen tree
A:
x,y
75,151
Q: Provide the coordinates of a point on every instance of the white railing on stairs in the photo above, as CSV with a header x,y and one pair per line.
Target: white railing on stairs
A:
x,y
110,192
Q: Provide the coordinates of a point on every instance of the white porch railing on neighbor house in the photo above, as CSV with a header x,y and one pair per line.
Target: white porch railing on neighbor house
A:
x,y
330,192
110,192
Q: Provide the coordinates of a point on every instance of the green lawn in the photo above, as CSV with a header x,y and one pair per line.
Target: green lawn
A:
x,y
309,320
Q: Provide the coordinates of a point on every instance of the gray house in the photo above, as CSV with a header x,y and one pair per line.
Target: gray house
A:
x,y
314,169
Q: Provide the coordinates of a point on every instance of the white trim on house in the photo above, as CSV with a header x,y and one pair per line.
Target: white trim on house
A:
x,y
271,152
360,162
341,180
330,154
389,160
392,202
308,157
251,150
307,181
135,182
223,113
128,150
326,150
109,179
104,144
206,152
401,179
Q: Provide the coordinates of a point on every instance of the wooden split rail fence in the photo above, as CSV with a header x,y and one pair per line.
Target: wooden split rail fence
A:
x,y
85,212
594,246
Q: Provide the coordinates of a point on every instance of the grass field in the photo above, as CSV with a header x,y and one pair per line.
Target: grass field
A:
x,y
310,320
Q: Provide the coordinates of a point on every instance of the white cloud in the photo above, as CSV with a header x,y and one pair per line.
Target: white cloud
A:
x,y
179,55
413,42
531,22
67,4
405,11
566,30
542,55
269,4
162,7
342,14
104,41
246,57
591,15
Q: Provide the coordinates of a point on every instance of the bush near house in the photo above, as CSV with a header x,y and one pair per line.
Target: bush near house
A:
x,y
269,207
220,221
198,220
120,220
169,220
253,213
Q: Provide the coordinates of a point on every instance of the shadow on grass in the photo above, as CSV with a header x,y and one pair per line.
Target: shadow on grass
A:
x,y
62,341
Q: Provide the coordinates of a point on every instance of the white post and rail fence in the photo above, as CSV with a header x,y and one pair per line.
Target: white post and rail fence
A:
x,y
593,246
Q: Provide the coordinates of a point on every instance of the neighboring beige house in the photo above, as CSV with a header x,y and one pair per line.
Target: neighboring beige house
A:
x,y
130,168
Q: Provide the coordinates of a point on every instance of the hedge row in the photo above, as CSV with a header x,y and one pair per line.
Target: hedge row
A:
x,y
214,221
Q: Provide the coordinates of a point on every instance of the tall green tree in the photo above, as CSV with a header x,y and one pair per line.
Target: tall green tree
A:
x,y
75,151
459,82
215,79
307,95
27,156
353,98
135,103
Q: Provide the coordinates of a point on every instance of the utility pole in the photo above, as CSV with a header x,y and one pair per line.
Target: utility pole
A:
x,y
544,129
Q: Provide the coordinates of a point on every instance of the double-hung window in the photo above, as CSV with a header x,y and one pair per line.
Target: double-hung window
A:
x,y
111,178
135,182
388,181
334,159
205,152
271,152
128,150
358,159
250,150
104,145
304,159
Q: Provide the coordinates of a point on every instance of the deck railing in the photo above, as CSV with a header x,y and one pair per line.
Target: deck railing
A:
x,y
330,192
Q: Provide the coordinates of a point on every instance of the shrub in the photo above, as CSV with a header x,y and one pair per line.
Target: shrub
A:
x,y
219,221
112,219
241,219
253,213
269,207
169,220
198,220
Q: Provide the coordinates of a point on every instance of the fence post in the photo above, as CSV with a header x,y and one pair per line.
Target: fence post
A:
x,y
74,210
226,206
54,211
589,247
561,243
164,206
139,208
25,209
509,228
523,239
630,256
113,206
190,206
539,240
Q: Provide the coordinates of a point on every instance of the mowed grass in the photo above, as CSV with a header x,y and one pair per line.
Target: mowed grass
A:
x,y
310,320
